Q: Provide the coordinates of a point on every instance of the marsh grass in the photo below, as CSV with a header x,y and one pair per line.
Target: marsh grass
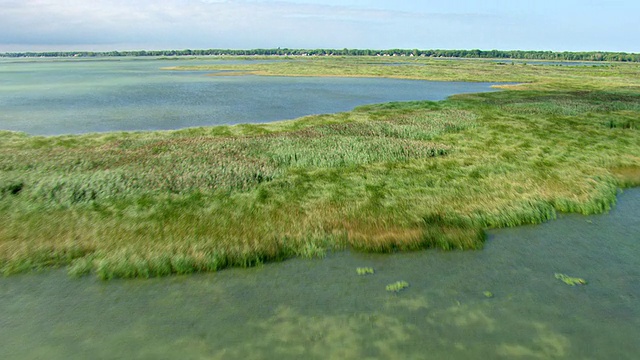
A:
x,y
388,177
544,77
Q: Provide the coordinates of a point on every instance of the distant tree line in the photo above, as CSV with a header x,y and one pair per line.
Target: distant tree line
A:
x,y
489,54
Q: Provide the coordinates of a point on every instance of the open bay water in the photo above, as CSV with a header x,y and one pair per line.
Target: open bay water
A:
x,y
73,96
322,309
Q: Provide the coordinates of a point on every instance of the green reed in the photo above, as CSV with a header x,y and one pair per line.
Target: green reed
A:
x,y
387,177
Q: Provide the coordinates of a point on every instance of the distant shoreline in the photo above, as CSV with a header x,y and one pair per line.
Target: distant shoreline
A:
x,y
596,56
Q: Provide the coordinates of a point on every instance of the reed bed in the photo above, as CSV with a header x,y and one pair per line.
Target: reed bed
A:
x,y
388,177
544,76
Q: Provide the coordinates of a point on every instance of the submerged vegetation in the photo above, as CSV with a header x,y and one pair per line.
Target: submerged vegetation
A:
x,y
573,281
364,271
397,286
397,176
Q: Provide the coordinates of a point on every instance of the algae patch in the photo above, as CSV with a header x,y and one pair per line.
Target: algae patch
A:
x,y
364,271
397,286
573,281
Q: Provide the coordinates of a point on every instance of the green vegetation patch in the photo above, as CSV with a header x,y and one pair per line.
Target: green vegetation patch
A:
x,y
570,280
364,271
397,286
383,178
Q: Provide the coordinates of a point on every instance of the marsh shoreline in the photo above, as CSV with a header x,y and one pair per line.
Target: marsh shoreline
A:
x,y
319,308
381,178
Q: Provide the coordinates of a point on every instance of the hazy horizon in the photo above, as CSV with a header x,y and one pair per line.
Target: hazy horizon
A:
x,y
108,25
71,51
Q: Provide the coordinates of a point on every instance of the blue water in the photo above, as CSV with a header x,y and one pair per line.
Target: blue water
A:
x,y
51,97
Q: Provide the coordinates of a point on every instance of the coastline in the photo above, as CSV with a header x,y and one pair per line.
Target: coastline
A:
x,y
383,178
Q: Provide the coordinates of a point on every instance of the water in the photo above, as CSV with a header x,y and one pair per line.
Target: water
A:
x,y
49,97
322,309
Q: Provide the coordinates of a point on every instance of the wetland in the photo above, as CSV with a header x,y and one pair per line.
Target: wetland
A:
x,y
321,308
393,190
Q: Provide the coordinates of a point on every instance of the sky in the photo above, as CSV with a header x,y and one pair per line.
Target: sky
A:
x,y
103,25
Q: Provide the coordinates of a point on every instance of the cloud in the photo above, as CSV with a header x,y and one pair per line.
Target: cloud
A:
x,y
199,23
179,24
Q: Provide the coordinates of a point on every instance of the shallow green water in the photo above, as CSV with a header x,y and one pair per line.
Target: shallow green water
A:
x,y
322,309
50,97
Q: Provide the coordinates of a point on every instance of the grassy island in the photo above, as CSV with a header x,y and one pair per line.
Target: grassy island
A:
x,y
387,177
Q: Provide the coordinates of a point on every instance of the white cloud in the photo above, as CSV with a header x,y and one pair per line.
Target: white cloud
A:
x,y
193,23
153,24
